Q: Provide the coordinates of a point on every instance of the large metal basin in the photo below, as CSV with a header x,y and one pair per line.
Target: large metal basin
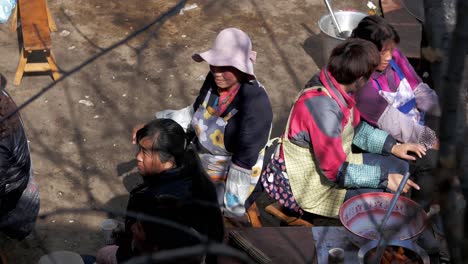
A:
x,y
362,216
347,20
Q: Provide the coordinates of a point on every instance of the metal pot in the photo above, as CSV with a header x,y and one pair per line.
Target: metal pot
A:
x,y
406,244
348,20
362,216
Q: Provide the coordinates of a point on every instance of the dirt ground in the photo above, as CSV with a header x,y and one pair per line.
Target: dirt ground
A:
x,y
82,153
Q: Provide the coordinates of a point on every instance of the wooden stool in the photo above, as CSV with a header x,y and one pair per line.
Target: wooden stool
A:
x,y
254,215
35,30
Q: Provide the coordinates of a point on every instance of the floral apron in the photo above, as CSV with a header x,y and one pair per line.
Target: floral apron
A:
x,y
209,128
403,99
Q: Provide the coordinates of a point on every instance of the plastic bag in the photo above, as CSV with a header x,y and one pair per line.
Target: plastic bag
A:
x,y
182,116
6,6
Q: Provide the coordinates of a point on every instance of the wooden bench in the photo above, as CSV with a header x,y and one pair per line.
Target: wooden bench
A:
x,y
14,19
35,31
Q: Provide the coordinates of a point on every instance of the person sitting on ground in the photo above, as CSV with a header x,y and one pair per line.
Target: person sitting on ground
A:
x,y
19,192
230,119
150,236
169,168
395,99
314,169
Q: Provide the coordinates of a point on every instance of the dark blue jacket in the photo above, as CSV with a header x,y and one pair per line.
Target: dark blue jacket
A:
x,y
184,184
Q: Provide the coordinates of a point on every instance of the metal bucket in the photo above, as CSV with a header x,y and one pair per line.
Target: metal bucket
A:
x,y
347,20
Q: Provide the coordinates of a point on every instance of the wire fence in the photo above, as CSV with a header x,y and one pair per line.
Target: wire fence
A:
x,y
447,188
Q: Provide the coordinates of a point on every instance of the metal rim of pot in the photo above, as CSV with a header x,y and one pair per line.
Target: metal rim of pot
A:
x,y
389,196
407,244
338,13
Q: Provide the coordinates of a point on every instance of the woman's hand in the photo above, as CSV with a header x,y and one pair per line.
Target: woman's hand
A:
x,y
134,132
401,150
394,180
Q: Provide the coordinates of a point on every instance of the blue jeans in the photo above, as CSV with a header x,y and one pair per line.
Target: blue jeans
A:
x,y
389,163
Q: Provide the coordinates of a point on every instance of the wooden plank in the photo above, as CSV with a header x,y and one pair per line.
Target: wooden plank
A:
x,y
254,215
14,19
34,24
37,67
53,66
52,25
20,70
276,210
282,244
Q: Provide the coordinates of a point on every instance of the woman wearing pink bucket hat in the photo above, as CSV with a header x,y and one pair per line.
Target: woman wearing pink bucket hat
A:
x,y
232,47
231,119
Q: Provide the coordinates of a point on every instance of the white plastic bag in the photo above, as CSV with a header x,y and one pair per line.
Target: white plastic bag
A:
x,y
182,116
6,6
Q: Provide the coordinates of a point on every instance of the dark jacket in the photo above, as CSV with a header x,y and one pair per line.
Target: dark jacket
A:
x,y
15,160
186,185
248,130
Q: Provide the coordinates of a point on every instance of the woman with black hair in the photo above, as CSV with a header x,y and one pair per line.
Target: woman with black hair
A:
x,y
314,168
395,99
230,121
170,169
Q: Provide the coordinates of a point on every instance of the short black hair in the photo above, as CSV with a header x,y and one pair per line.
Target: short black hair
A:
x,y
376,30
353,59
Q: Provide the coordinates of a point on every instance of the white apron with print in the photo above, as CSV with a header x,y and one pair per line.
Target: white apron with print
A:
x,y
210,128
403,98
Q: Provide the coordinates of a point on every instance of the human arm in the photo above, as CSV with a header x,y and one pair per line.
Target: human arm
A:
x,y
250,133
427,100
245,136
375,140
404,129
372,139
378,141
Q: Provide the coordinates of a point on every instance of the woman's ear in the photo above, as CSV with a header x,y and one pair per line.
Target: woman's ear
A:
x,y
170,164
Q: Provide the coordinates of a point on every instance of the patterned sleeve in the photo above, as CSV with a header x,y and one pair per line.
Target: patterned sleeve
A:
x,y
372,139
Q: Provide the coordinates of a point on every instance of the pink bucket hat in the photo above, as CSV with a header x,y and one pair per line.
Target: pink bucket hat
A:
x,y
232,47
